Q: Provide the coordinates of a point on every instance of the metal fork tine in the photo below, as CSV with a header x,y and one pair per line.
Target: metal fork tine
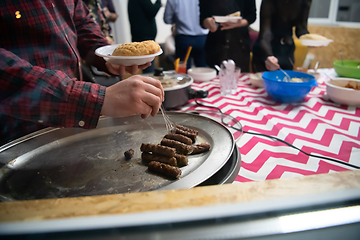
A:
x,y
170,126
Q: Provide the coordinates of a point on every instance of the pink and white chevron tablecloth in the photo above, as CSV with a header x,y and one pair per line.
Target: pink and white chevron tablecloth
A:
x,y
316,125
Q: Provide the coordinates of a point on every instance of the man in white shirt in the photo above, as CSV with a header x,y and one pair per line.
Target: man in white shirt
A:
x,y
188,32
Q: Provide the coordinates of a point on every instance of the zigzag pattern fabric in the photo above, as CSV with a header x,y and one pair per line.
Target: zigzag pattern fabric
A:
x,y
316,125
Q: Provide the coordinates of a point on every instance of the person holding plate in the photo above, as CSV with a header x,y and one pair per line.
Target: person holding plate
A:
x,y
41,47
274,47
228,40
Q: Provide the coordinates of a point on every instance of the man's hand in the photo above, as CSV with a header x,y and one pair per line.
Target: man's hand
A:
x,y
134,95
271,63
121,70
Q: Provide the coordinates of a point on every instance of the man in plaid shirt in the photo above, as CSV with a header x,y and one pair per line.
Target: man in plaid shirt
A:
x,y
42,43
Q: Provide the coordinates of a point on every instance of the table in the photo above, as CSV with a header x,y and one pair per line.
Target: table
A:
x,y
316,125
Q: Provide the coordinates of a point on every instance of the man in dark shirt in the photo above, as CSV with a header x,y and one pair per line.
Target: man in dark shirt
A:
x,y
142,15
275,46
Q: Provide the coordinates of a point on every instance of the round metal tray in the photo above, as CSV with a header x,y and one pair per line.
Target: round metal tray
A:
x,y
70,162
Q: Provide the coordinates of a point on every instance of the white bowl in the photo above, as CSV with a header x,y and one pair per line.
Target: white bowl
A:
x,y
338,92
106,53
202,74
257,80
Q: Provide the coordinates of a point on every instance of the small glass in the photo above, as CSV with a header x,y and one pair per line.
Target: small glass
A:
x,y
182,68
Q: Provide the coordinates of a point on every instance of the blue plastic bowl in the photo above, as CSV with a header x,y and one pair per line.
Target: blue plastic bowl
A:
x,y
288,92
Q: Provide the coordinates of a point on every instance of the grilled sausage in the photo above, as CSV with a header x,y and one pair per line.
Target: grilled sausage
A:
x,y
200,148
148,157
180,147
182,160
179,137
164,169
158,149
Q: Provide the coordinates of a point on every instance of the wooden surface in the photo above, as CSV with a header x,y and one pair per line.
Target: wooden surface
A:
x,y
344,39
174,199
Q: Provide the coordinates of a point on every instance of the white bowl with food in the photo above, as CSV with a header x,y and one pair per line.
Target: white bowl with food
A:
x,y
344,91
202,74
314,40
107,53
223,19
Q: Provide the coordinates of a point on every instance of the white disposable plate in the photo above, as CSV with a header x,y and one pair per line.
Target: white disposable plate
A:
x,y
222,19
315,43
106,53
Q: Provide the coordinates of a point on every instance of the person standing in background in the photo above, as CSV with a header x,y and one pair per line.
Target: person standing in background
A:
x,y
97,13
142,15
109,12
229,40
275,46
188,32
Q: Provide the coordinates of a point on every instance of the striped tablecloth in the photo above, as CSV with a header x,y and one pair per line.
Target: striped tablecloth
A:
x,y
316,125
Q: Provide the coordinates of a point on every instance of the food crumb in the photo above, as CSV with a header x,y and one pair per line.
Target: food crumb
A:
x,y
128,154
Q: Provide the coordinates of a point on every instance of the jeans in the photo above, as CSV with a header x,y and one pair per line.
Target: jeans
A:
x,y
182,42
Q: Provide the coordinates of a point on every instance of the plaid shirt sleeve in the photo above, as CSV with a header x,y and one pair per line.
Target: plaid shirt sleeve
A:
x,y
48,97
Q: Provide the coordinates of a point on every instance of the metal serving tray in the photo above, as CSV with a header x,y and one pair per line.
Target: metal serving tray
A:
x,y
72,162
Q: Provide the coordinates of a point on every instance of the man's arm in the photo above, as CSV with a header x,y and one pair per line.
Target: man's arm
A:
x,y
169,12
47,96
265,33
301,26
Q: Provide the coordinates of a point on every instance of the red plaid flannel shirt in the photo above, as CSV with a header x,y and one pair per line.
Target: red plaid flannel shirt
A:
x,y
41,46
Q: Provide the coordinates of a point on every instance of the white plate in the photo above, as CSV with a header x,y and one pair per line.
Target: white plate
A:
x,y
202,74
106,53
315,43
222,19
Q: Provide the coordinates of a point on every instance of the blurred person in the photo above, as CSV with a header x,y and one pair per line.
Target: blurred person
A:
x,y
274,47
109,10
97,12
40,76
109,13
228,40
143,27
188,32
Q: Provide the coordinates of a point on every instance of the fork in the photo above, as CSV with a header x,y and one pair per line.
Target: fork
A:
x,y
287,75
170,125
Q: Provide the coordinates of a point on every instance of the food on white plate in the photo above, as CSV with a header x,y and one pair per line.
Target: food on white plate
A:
x,y
313,36
137,48
351,84
235,14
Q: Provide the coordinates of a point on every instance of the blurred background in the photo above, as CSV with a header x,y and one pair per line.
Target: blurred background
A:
x,y
338,20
